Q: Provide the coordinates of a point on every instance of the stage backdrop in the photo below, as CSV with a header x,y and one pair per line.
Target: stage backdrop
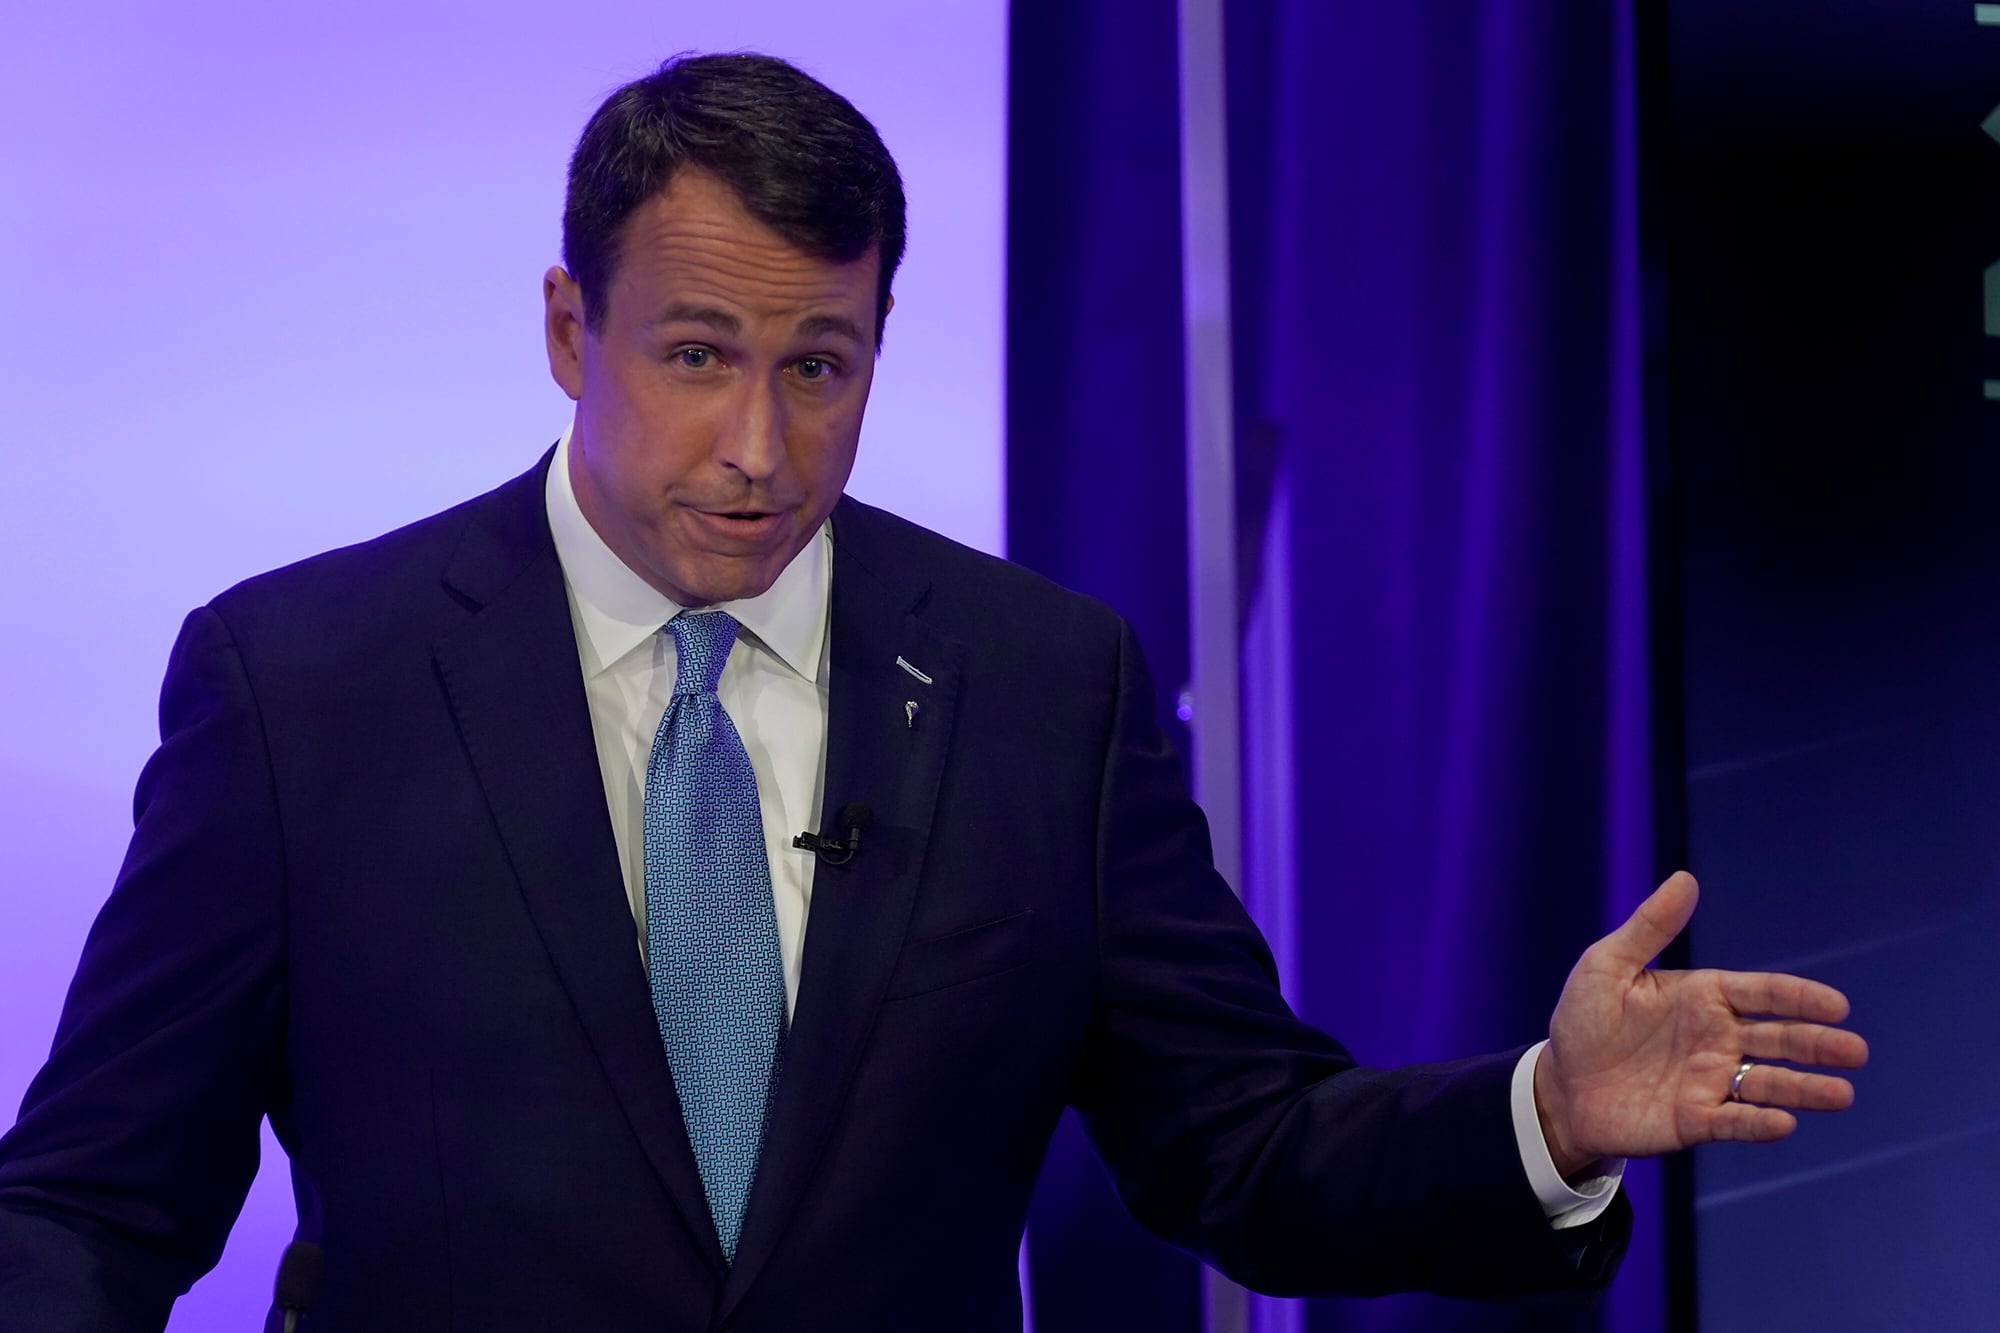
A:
x,y
272,284
1831,184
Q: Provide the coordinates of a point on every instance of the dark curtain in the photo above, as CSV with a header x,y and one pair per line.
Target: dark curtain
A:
x,y
1438,359
1096,491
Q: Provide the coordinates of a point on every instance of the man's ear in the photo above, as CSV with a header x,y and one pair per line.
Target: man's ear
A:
x,y
564,329
888,306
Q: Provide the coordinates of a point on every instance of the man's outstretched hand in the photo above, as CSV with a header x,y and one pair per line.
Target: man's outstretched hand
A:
x,y
1640,1062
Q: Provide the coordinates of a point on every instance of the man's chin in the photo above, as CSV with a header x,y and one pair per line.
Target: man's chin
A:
x,y
709,563
737,581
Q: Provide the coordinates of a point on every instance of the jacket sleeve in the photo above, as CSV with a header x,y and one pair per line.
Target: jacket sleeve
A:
x,y
138,1139
1239,1132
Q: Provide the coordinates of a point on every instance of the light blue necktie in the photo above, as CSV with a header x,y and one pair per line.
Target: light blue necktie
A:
x,y
711,927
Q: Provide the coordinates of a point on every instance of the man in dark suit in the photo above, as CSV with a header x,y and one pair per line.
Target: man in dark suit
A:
x,y
467,858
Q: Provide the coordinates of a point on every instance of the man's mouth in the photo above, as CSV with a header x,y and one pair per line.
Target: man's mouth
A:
x,y
747,512
751,525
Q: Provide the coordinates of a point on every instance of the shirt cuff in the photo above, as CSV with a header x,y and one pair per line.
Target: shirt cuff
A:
x,y
1563,1204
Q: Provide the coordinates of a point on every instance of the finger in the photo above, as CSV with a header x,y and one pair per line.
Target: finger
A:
x,y
1739,1122
1782,996
1774,1085
1653,926
1803,1044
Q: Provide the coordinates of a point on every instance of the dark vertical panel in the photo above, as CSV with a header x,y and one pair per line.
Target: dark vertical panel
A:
x,y
1667,723
1096,495
1833,203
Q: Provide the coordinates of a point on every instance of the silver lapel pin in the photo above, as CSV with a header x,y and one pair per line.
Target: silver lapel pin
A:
x,y
903,663
910,713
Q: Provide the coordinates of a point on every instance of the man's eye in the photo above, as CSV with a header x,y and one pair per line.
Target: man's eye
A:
x,y
695,358
814,368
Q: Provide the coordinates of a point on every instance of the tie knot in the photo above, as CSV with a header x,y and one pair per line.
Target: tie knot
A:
x,y
703,639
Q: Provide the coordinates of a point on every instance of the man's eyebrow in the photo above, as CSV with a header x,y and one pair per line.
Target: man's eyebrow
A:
x,y
682,312
812,326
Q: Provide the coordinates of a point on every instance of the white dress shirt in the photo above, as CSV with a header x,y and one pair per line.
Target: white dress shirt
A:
x,y
774,689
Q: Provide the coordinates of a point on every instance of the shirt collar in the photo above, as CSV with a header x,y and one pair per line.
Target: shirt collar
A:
x,y
618,610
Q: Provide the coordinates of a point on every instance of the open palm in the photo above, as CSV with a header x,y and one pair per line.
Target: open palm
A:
x,y
1641,1062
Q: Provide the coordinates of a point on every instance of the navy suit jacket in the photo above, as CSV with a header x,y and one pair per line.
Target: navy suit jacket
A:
x,y
372,893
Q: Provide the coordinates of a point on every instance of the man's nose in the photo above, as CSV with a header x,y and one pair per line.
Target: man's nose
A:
x,y
752,439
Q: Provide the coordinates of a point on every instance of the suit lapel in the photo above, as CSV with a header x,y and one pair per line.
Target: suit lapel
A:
x,y
881,754
516,692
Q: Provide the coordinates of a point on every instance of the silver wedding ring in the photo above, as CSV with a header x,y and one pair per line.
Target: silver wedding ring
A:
x,y
1736,1084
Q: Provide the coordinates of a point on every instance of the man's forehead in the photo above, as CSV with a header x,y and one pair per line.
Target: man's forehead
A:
x,y
703,248
812,325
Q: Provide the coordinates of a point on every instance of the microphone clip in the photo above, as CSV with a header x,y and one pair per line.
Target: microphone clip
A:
x,y
838,851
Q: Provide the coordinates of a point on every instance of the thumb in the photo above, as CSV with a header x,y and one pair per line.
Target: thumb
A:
x,y
1654,925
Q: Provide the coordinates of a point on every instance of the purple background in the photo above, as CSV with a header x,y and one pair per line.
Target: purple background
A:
x,y
274,286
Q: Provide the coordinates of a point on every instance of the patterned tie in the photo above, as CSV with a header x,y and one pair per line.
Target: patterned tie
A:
x,y
711,928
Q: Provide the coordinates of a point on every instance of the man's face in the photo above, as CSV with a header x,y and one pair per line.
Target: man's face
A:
x,y
719,405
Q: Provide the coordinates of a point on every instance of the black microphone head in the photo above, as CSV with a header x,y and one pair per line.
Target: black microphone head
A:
x,y
298,1275
856,817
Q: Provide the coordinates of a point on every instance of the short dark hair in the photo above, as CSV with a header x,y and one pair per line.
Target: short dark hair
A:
x,y
804,162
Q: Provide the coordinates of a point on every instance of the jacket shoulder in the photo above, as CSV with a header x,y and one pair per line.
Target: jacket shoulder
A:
x,y
377,583
970,594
